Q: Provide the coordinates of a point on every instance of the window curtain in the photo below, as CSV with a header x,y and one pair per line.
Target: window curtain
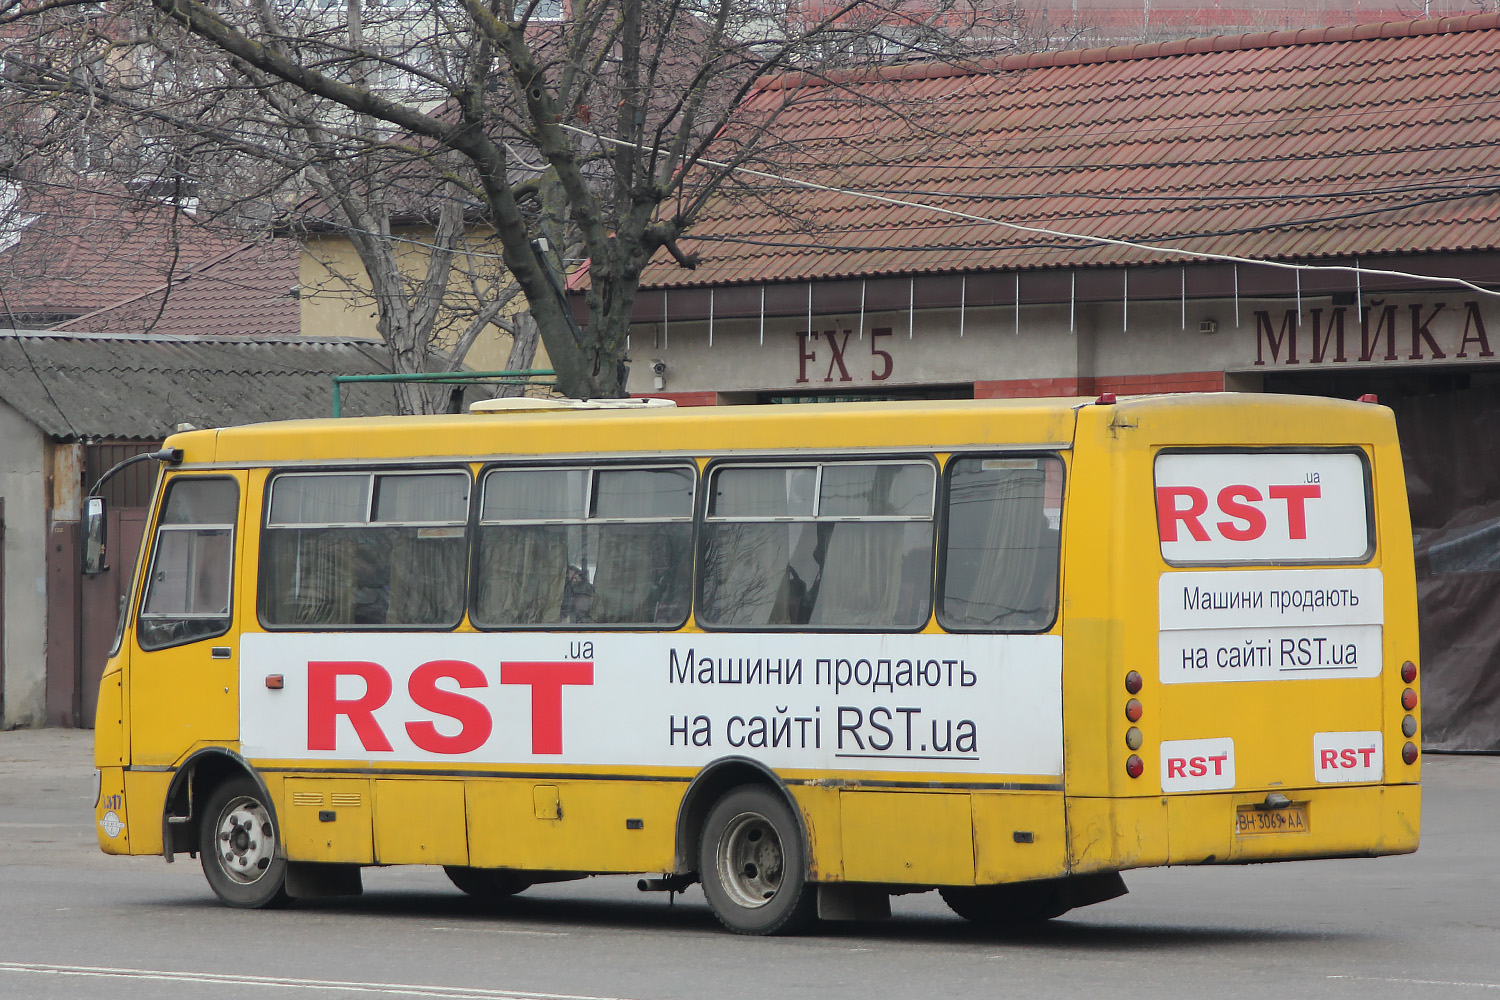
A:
x,y
641,573
860,581
1015,577
309,576
523,569
868,578
747,579
427,586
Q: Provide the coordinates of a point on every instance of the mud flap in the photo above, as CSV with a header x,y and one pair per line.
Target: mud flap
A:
x,y
1084,890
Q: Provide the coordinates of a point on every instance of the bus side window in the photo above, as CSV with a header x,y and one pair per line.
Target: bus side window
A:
x,y
644,546
1000,546
560,546
363,549
188,587
833,545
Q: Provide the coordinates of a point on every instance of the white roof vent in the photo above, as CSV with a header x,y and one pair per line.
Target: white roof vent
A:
x,y
528,404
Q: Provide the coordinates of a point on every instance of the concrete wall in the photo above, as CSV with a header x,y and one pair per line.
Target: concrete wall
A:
x,y
23,484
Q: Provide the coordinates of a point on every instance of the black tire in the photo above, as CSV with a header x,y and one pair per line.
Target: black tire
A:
x,y
1027,904
1012,907
753,864
239,846
486,883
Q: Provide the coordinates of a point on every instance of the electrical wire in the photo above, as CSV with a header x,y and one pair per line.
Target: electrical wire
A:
x,y
1058,233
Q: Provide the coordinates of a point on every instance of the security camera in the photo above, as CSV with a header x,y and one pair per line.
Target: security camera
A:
x,y
658,367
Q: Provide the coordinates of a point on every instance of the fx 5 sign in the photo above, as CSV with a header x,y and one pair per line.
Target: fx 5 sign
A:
x,y
1263,506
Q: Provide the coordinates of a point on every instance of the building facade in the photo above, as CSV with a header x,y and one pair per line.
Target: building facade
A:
x,y
1309,211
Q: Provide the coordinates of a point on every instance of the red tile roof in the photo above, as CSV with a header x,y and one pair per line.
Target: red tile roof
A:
x,y
71,250
1337,142
246,292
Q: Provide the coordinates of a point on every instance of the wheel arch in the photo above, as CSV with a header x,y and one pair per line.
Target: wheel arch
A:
x,y
708,786
194,781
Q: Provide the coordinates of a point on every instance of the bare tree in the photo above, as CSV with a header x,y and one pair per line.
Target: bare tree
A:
x,y
554,129
105,108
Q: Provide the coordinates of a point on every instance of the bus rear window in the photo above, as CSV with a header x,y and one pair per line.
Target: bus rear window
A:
x,y
1264,507
358,548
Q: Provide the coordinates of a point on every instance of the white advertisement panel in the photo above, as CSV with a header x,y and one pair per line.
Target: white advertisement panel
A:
x,y
1271,598
1197,765
1270,624
1339,757
1229,507
1269,654
973,704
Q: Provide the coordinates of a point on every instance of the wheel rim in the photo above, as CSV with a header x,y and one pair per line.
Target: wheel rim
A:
x,y
750,860
246,840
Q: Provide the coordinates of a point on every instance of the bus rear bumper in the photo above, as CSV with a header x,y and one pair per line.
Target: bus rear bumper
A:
x,y
1320,822
1244,827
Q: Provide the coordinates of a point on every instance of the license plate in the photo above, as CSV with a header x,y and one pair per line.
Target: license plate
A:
x,y
1250,821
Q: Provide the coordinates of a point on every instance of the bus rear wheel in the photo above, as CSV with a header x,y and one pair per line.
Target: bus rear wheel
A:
x,y
753,864
486,883
240,847
1025,904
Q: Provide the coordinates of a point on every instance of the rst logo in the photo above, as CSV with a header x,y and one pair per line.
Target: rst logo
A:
x,y
355,690
1348,756
1197,765
1258,507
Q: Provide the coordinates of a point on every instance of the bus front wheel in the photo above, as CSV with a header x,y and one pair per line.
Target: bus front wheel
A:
x,y
753,864
239,847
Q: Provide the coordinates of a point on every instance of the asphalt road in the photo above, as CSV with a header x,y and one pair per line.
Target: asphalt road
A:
x,y
75,923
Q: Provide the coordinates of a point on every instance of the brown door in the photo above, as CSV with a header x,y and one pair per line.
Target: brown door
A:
x,y
101,598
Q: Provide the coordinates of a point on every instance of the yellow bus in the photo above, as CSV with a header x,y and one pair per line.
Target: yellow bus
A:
x,y
809,656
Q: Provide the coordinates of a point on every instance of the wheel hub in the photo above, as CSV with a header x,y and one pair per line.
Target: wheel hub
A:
x,y
247,841
750,860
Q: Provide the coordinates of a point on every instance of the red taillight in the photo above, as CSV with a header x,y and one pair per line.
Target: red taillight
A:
x,y
1408,699
1409,753
1133,682
1135,768
1133,710
1408,672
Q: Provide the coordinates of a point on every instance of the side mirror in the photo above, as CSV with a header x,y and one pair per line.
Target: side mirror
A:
x,y
95,535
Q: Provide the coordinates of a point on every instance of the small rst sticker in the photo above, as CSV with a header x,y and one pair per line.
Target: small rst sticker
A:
x,y
1197,765
1348,756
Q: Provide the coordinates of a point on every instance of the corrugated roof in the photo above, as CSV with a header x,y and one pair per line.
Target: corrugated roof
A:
x,y
245,292
81,385
1339,142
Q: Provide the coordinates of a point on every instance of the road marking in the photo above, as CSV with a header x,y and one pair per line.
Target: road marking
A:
x,y
503,930
278,982
1419,982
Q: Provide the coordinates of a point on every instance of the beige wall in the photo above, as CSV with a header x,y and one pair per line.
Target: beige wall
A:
x,y
336,302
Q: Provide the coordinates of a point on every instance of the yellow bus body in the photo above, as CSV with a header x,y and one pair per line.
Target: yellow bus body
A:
x,y
169,719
